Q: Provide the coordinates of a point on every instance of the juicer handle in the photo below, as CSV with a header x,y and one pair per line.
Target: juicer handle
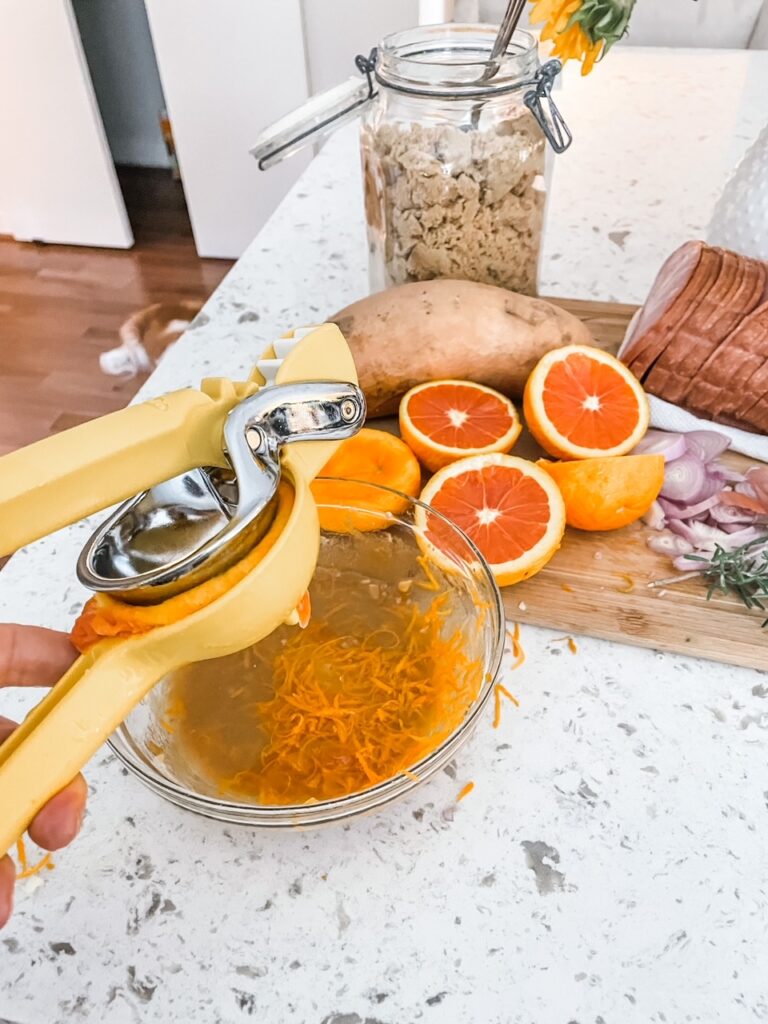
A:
x,y
67,727
66,477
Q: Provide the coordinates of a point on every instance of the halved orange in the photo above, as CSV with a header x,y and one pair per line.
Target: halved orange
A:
x,y
445,420
581,403
370,457
606,494
509,507
106,616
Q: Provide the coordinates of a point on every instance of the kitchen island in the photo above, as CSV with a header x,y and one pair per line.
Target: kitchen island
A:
x,y
609,866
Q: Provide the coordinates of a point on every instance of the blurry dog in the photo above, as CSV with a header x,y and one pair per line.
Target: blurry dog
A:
x,y
146,335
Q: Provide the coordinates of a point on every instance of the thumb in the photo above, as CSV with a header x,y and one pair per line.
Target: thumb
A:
x,y
33,656
7,879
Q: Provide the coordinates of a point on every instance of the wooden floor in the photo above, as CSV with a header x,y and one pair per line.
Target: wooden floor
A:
x,y
60,306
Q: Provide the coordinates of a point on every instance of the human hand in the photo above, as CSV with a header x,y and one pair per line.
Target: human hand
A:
x,y
31,656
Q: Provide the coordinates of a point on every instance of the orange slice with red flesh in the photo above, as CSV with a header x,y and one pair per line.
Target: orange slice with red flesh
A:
x,y
509,507
582,403
445,420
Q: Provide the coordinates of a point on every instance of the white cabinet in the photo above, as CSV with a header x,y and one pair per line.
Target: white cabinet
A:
x,y
228,68
337,30
57,179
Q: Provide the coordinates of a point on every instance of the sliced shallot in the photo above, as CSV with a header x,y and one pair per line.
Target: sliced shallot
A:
x,y
654,518
669,544
730,542
707,444
685,479
659,442
687,564
700,535
698,510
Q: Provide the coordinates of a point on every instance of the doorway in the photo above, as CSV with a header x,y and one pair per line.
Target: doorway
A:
x,y
118,48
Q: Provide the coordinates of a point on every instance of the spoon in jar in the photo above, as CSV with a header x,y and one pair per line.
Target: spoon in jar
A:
x,y
506,30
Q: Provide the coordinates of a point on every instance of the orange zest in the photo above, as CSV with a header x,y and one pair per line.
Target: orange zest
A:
x,y
347,708
500,691
465,791
431,583
572,645
629,583
105,616
346,503
25,869
304,610
514,639
517,648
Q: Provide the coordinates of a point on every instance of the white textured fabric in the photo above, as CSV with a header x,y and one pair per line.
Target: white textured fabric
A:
x,y
740,218
665,416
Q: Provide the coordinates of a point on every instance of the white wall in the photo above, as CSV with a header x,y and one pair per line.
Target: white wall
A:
x,y
337,30
118,47
705,23
57,180
493,10
229,68
708,23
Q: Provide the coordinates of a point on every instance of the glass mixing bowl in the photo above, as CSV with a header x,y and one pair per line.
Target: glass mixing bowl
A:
x,y
388,557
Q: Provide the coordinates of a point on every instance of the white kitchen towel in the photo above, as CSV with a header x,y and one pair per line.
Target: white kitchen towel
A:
x,y
666,416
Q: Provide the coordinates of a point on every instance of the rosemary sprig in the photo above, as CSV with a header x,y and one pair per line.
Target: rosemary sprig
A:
x,y
743,572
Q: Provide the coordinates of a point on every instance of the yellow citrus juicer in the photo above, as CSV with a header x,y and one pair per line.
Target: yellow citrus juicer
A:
x,y
207,464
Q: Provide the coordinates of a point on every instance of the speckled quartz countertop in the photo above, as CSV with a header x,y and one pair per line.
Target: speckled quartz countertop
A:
x,y
610,866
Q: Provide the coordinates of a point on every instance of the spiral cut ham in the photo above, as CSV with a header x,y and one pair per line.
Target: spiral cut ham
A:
x,y
700,340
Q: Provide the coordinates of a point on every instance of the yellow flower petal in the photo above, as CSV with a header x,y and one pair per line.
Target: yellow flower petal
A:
x,y
591,58
567,43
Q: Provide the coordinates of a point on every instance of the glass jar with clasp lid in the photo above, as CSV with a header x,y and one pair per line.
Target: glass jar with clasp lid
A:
x,y
454,153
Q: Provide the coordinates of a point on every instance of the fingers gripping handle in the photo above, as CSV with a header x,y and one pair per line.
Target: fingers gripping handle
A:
x,y
63,731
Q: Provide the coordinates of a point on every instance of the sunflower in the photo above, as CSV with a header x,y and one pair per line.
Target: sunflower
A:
x,y
582,29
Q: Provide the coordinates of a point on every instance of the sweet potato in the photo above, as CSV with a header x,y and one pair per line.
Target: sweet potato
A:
x,y
451,329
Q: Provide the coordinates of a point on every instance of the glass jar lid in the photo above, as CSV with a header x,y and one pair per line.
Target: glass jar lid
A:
x,y
449,61
454,61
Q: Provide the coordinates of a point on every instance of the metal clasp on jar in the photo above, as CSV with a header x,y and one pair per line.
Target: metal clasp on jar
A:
x,y
540,103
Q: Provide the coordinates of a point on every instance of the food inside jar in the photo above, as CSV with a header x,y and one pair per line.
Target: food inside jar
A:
x,y
442,201
381,676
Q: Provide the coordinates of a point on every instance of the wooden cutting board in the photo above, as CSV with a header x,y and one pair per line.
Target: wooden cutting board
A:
x,y
597,583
